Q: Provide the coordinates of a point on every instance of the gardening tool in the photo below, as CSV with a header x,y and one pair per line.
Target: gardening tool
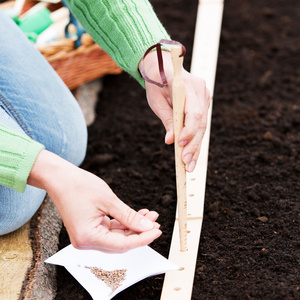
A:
x,y
178,95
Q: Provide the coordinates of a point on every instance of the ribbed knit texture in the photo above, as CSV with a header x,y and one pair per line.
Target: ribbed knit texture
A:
x,y
17,156
125,29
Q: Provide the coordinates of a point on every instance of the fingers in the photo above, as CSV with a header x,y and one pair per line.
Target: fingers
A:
x,y
151,215
129,229
131,219
170,136
114,224
161,104
123,243
196,109
129,238
113,237
118,242
113,241
191,151
165,113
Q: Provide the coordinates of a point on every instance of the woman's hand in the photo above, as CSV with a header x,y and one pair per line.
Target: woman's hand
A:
x,y
196,106
85,202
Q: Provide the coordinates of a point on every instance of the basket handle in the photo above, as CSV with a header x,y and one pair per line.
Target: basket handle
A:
x,y
80,30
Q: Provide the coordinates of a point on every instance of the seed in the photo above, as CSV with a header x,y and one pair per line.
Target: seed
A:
x,y
113,278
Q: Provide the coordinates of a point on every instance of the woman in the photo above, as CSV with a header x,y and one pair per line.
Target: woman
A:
x,y
43,134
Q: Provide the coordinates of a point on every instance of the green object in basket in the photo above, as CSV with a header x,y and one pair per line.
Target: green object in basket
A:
x,y
32,36
36,22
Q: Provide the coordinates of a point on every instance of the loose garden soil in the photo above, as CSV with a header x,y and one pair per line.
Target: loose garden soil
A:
x,y
250,242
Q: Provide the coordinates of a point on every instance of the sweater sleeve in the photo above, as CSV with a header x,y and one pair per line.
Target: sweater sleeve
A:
x,y
17,156
125,29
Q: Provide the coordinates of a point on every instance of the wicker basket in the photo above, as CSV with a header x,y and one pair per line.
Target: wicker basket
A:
x,y
81,65
77,66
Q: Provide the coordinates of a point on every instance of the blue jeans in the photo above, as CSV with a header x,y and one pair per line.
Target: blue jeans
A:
x,y
36,102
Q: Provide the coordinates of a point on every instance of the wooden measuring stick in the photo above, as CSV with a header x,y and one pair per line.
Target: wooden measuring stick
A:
x,y
178,96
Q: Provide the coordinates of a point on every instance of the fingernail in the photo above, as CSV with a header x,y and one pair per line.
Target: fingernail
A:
x,y
167,136
182,143
155,213
146,224
187,158
159,233
191,166
156,225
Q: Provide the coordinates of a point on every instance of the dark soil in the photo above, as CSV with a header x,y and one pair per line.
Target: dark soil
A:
x,y
250,243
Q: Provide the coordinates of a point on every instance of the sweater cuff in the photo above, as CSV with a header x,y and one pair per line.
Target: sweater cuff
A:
x,y
18,153
22,173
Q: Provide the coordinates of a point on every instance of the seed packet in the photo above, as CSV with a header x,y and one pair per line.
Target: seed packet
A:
x,y
105,275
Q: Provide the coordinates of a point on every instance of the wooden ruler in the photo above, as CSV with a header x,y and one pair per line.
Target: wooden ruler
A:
x,y
179,284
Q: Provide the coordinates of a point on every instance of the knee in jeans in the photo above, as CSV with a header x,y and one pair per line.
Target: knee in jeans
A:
x,y
77,144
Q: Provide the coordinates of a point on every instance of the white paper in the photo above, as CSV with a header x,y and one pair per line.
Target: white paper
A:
x,y
140,263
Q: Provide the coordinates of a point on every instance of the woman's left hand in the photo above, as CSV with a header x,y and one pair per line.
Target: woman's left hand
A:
x,y
197,103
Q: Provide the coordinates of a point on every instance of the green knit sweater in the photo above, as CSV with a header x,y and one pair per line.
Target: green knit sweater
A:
x,y
17,155
123,28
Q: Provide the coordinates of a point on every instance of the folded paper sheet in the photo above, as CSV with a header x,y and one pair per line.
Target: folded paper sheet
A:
x,y
104,275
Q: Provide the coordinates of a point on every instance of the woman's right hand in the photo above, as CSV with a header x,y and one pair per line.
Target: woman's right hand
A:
x,y
86,203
